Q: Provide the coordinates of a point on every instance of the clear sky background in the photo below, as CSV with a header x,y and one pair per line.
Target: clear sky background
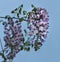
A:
x,y
50,51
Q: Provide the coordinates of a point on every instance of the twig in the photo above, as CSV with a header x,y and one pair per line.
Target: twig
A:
x,y
1,46
2,54
7,17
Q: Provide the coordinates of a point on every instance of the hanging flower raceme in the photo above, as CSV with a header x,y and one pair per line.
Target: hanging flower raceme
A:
x,y
34,36
38,24
13,37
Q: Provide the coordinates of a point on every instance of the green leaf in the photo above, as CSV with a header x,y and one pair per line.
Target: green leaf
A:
x,y
27,43
16,9
25,31
36,48
13,11
27,48
7,16
1,54
18,15
21,5
24,12
4,23
21,19
20,10
39,43
34,9
21,47
32,6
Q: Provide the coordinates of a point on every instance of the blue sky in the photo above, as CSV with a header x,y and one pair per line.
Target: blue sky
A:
x,y
50,51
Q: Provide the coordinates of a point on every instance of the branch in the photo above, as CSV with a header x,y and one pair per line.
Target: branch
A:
x,y
2,54
1,46
6,17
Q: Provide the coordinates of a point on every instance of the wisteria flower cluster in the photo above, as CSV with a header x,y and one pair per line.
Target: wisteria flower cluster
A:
x,y
13,37
37,25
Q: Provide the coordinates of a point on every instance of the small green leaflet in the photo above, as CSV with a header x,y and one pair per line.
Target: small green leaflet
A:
x,y
24,12
21,19
27,48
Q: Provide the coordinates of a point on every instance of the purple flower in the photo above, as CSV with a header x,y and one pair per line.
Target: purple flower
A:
x,y
37,32
38,23
13,37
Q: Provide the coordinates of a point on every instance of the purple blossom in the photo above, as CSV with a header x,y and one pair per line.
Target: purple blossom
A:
x,y
38,29
38,23
13,37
